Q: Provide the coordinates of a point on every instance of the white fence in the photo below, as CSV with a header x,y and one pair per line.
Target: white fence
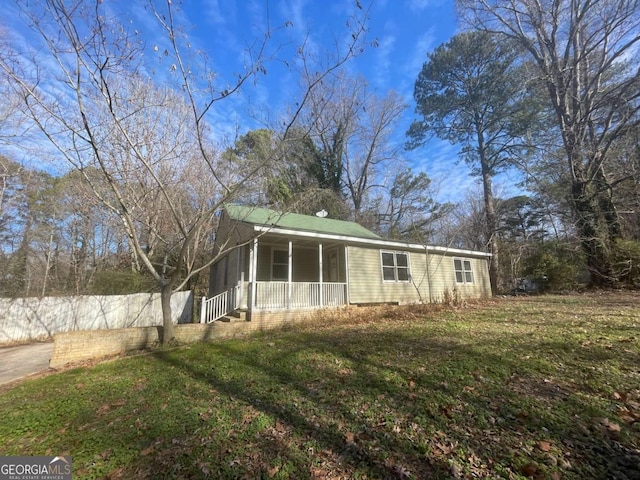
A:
x,y
24,319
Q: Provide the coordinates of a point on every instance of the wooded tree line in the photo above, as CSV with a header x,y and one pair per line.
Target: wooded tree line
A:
x,y
550,88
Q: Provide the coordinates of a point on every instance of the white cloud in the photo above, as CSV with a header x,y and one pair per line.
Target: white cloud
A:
x,y
384,56
423,46
212,12
418,5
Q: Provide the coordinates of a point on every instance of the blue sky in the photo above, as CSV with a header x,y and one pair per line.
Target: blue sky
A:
x,y
405,31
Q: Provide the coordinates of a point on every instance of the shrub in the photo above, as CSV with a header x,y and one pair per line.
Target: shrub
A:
x,y
554,268
625,256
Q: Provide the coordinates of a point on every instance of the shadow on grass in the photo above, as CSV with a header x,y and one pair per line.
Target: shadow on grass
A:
x,y
351,403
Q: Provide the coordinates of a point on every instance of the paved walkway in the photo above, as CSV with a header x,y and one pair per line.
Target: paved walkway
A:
x,y
23,360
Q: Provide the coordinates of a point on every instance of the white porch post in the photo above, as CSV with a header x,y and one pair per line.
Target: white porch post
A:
x,y
320,265
346,273
290,275
254,275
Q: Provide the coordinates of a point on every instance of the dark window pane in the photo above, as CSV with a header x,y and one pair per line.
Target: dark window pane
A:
x,y
459,277
280,256
403,274
388,273
467,265
468,277
457,264
401,260
387,259
280,272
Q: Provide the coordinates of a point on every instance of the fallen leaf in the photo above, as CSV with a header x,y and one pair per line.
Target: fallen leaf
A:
x,y
273,471
401,472
319,473
445,449
529,470
619,396
609,425
446,410
114,474
628,419
147,450
613,427
456,471
350,438
544,446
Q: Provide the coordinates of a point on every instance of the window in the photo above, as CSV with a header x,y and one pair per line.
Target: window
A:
x,y
464,272
395,266
280,265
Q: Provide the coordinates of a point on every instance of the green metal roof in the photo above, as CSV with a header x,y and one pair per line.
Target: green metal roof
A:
x,y
296,221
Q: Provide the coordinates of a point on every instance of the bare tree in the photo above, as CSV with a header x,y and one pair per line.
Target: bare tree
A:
x,y
586,53
159,172
352,125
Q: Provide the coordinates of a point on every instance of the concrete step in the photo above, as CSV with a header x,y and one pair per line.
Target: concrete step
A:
x,y
236,316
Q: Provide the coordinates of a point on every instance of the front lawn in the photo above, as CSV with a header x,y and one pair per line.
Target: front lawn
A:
x,y
537,387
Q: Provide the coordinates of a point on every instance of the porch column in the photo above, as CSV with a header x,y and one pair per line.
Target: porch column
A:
x,y
254,275
290,275
240,303
320,265
346,274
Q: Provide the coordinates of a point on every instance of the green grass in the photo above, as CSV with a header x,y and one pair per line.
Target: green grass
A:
x,y
542,387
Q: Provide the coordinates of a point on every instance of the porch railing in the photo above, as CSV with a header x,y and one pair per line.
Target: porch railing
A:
x,y
276,295
219,305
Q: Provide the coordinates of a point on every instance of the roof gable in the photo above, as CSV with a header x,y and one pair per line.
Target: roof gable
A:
x,y
296,221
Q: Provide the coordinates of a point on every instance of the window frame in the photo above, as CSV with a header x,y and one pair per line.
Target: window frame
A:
x,y
463,271
396,267
273,264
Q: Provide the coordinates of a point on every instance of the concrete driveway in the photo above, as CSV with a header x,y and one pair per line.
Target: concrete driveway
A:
x,y
23,360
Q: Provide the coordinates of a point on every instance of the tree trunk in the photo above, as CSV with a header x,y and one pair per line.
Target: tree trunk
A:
x,y
594,233
597,218
490,212
168,334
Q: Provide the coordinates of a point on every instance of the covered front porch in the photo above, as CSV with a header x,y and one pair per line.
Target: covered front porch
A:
x,y
276,273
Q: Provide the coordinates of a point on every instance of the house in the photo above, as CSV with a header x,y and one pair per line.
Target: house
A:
x,y
285,264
